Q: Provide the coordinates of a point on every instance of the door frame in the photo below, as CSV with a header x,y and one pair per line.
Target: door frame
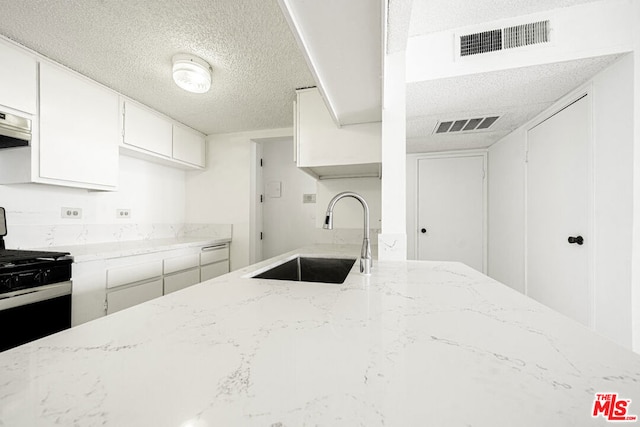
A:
x,y
413,192
255,205
565,102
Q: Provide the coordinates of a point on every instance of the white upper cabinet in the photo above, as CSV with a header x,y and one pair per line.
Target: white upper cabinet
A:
x,y
326,150
78,130
153,137
18,84
146,130
188,146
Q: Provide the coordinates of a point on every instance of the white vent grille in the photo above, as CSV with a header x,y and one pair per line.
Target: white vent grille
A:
x,y
525,35
505,38
465,125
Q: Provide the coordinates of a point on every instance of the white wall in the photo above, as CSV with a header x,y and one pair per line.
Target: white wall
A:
x,y
392,242
635,291
288,223
613,121
222,193
348,213
154,193
505,206
613,163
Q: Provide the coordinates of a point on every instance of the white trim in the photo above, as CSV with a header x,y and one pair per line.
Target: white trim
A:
x,y
255,217
304,49
412,199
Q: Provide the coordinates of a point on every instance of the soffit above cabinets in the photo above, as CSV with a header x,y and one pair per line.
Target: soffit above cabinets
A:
x,y
342,43
128,46
429,16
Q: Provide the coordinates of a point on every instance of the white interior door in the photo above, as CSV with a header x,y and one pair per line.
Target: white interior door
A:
x,y
451,213
557,209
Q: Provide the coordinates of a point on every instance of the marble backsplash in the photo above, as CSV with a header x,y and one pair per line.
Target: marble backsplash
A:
x,y
345,236
40,236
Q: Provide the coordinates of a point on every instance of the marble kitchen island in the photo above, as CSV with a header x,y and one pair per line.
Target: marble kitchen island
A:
x,y
414,344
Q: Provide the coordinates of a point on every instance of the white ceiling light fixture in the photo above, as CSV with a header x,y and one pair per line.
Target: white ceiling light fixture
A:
x,y
191,73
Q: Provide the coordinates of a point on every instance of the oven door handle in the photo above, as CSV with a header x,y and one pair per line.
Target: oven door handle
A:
x,y
33,295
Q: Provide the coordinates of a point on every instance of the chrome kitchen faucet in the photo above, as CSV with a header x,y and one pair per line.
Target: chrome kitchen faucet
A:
x,y
365,253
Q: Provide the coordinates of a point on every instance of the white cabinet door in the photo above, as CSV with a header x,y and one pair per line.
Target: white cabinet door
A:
x,y
181,280
322,143
18,84
120,299
451,210
214,270
88,292
146,130
78,129
188,146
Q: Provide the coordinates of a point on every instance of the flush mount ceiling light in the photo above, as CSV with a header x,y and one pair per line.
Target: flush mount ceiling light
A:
x,y
191,73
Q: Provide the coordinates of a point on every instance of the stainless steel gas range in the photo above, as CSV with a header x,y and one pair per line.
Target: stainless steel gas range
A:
x,y
35,293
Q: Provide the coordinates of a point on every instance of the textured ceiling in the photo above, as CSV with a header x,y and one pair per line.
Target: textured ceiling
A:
x,y
517,95
128,44
428,16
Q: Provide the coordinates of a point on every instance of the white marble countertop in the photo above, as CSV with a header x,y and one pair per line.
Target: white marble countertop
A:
x,y
107,250
414,344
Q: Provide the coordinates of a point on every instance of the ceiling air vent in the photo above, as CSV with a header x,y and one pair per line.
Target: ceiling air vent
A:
x,y
505,38
484,42
465,125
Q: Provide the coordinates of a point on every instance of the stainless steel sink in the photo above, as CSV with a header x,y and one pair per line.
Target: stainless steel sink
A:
x,y
310,269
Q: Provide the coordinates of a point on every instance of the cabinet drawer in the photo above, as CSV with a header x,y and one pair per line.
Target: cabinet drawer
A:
x,y
214,254
214,270
133,273
128,297
178,281
184,262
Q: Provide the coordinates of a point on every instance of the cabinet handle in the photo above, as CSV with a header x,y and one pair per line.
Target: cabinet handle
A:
x,y
423,230
213,248
578,240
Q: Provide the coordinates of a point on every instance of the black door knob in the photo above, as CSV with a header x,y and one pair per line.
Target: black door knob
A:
x,y
577,240
423,230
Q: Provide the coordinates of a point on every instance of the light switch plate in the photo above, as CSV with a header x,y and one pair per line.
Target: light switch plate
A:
x,y
274,189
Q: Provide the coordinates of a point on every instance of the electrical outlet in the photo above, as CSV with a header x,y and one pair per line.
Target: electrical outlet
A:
x,y
71,213
308,198
123,213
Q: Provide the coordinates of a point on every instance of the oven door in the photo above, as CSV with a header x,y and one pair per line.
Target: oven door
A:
x,y
29,314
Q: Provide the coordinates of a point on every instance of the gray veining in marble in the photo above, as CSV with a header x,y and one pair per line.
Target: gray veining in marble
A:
x,y
414,344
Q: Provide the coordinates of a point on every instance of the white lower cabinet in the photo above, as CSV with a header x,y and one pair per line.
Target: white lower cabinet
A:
x,y
128,296
182,280
105,286
214,261
214,270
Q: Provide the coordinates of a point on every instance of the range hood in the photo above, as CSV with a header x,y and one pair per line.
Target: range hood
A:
x,y
15,131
